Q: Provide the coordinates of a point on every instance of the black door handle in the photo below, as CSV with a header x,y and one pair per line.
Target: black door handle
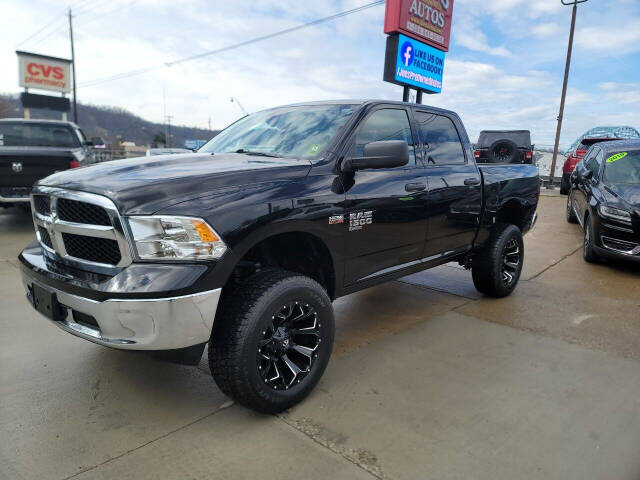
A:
x,y
415,187
469,182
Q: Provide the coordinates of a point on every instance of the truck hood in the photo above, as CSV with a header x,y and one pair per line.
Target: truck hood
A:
x,y
147,184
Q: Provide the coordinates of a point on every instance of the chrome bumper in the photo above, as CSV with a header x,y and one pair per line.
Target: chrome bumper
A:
x,y
14,199
147,324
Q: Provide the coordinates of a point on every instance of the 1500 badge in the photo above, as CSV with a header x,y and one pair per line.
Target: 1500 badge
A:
x,y
357,220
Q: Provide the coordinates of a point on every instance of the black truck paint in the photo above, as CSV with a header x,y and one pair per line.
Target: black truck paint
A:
x,y
346,230
23,162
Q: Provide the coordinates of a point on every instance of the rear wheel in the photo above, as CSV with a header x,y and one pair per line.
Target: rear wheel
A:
x,y
588,252
497,268
570,212
272,340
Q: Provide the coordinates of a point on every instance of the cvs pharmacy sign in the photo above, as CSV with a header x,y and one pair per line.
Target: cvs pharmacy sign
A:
x,y
44,72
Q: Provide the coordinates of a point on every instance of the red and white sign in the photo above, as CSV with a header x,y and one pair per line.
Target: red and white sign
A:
x,y
43,72
427,21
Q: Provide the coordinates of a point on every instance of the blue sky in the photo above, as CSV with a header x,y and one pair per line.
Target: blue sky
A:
x,y
504,68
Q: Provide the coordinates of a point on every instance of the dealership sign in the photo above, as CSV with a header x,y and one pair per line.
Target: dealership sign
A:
x,y
428,21
413,63
44,72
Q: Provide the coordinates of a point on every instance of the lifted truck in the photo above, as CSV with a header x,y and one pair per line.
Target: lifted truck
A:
x,y
245,244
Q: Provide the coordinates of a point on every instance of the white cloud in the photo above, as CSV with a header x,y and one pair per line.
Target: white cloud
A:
x,y
547,29
623,37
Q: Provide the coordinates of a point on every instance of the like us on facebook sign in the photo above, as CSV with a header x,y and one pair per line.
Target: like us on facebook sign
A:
x,y
413,63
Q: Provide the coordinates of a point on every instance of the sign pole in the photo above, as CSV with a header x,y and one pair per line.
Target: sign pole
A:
x,y
405,94
419,96
564,89
73,63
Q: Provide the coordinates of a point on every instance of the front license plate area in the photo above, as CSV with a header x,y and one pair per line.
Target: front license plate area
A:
x,y
47,304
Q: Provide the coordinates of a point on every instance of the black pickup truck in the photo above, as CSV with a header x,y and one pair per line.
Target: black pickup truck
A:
x,y
245,244
33,149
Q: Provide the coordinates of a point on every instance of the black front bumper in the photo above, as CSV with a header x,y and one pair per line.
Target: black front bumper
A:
x,y
616,240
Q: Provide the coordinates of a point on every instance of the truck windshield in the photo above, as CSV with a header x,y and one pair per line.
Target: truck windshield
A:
x,y
291,132
623,167
19,134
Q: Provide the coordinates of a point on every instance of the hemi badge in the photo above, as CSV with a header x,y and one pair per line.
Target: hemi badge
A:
x,y
334,219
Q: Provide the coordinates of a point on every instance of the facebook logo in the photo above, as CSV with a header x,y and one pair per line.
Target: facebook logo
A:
x,y
406,53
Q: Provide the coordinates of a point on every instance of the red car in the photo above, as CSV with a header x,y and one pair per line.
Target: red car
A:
x,y
575,156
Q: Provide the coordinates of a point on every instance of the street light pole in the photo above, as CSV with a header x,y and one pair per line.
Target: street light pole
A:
x,y
564,88
73,63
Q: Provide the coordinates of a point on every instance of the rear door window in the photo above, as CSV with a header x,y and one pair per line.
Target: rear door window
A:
x,y
439,139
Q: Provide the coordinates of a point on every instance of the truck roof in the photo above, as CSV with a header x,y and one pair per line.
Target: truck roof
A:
x,y
38,120
362,102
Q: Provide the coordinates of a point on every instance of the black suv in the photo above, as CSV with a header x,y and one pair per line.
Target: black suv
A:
x,y
605,199
504,146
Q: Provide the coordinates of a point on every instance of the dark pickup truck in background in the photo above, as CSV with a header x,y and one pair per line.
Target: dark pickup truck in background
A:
x,y
504,146
33,149
245,244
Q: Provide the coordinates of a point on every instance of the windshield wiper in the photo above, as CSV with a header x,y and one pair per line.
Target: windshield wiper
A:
x,y
260,154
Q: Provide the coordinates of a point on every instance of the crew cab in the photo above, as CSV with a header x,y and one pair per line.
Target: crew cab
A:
x,y
504,146
245,244
604,199
575,156
33,149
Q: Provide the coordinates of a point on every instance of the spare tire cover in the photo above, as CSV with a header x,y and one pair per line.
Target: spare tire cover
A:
x,y
504,151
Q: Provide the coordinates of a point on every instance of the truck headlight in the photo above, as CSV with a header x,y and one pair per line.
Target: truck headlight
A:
x,y
163,237
615,214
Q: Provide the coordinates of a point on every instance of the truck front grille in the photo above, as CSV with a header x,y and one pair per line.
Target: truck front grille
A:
x,y
81,229
42,204
45,238
82,212
101,250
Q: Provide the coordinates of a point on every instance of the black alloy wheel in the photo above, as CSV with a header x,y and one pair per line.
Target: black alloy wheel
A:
x,y
497,267
271,340
288,349
510,262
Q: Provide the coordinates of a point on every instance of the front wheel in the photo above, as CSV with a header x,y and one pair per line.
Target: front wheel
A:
x,y
588,251
497,267
272,340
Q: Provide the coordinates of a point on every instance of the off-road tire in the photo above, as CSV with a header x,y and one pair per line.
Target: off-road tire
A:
x,y
239,327
487,265
570,212
588,252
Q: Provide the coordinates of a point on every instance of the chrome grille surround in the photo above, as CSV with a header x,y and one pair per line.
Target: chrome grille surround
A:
x,y
56,227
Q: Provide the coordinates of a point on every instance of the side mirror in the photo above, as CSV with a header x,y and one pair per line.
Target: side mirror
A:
x,y
383,154
587,174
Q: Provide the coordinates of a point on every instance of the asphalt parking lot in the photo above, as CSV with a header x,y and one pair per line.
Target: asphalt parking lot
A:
x,y
428,380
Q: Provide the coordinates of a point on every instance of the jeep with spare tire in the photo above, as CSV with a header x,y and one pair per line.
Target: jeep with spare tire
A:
x,y
504,146
244,245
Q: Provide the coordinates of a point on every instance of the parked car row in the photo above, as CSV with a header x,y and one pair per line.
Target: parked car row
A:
x,y
604,198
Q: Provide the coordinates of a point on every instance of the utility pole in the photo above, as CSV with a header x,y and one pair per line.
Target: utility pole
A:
x,y
564,88
169,117
73,63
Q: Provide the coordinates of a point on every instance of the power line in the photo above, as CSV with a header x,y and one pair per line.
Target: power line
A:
x,y
55,19
140,71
